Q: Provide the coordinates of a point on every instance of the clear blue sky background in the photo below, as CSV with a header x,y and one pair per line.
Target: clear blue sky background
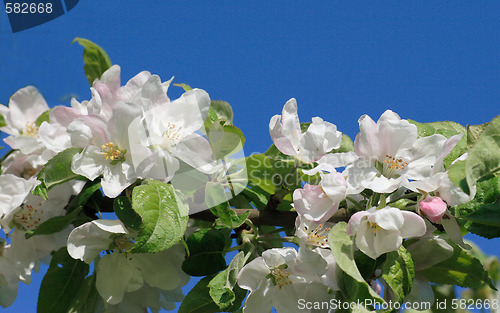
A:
x,y
426,60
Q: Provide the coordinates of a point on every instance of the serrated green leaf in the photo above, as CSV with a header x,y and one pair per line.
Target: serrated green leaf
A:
x,y
342,248
123,210
44,117
223,284
206,248
460,269
487,191
473,132
164,216
61,283
96,60
483,158
86,298
56,171
486,220
186,87
227,217
398,272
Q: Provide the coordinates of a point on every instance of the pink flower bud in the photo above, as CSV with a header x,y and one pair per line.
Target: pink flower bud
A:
x,y
433,208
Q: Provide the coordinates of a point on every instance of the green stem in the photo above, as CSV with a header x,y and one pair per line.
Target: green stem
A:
x,y
356,203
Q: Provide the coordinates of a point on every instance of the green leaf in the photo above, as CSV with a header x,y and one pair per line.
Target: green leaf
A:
x,y
186,87
223,110
206,248
398,272
486,220
164,216
487,191
84,196
260,172
96,60
3,123
225,140
198,300
227,217
258,196
484,157
86,298
56,171
460,269
346,145
342,248
61,283
124,211
222,286
473,132
44,117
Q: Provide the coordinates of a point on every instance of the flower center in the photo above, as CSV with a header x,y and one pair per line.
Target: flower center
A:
x,y
279,276
113,153
123,243
374,226
172,135
318,236
30,216
393,166
30,129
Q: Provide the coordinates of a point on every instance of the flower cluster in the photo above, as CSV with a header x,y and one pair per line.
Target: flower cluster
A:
x,y
156,163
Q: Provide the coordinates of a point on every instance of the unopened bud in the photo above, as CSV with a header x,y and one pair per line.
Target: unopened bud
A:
x,y
433,208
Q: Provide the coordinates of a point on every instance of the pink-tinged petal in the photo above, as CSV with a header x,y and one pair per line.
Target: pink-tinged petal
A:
x,y
414,225
63,115
451,227
433,208
354,222
26,105
448,145
280,141
313,203
133,87
290,123
367,143
253,274
388,218
107,88
88,130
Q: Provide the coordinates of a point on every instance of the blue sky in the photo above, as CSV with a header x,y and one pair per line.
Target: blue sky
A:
x,y
425,60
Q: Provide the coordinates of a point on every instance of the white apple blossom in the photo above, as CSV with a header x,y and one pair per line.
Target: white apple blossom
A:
x,y
320,138
280,277
25,106
379,231
390,155
170,132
